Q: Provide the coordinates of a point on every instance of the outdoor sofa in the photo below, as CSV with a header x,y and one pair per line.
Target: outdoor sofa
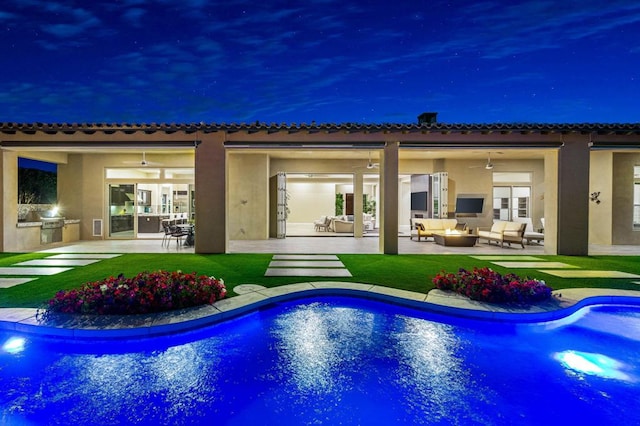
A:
x,y
427,227
504,231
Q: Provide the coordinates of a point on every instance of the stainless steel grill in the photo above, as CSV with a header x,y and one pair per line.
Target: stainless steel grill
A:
x,y
51,231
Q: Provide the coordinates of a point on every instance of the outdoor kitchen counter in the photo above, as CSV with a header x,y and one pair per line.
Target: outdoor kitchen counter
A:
x,y
39,224
28,234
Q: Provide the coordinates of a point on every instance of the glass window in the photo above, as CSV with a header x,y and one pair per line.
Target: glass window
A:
x,y
137,173
511,177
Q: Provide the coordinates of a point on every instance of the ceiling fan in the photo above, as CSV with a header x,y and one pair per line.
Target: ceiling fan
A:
x,y
372,165
143,162
488,165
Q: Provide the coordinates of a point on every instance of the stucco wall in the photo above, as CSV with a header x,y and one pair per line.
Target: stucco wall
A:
x,y
622,199
601,180
248,196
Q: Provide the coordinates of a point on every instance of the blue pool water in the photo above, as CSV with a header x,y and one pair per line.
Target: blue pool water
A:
x,y
336,360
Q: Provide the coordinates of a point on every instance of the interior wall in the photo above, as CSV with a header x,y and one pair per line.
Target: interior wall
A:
x,y
310,200
248,196
622,198
601,180
470,177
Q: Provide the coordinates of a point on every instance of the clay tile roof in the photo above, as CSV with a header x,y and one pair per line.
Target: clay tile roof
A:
x,y
602,128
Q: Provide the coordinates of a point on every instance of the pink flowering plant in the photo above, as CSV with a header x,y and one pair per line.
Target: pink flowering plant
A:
x,y
486,285
147,292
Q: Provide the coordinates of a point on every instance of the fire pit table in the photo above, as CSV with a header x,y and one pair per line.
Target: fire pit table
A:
x,y
455,239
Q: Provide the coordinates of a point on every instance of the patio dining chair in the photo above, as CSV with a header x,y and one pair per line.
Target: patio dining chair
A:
x,y
178,232
166,228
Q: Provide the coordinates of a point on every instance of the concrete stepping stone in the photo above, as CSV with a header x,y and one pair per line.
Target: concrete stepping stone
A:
x,y
306,264
10,282
57,262
531,265
20,270
84,256
305,257
507,257
588,274
307,272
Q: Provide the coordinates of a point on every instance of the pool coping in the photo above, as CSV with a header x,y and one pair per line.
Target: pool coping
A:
x,y
563,303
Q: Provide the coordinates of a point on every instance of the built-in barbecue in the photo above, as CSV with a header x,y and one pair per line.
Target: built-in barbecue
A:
x,y
51,231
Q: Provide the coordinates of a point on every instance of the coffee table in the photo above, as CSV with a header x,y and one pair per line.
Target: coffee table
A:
x,y
455,240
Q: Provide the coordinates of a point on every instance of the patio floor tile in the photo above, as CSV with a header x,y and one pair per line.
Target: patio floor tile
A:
x,y
581,273
247,288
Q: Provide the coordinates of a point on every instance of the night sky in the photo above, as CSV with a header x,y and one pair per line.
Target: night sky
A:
x,y
323,61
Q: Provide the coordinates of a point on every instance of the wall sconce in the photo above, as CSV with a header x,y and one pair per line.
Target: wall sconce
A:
x,y
594,197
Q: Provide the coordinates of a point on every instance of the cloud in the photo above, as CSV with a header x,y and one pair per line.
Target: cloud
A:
x,y
134,16
7,16
74,21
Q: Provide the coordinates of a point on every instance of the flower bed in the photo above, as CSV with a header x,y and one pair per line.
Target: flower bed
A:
x,y
486,285
145,293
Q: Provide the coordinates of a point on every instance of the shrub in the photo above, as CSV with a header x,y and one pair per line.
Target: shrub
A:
x,y
147,292
486,285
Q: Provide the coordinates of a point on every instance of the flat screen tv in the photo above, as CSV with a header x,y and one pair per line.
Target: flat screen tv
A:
x,y
419,200
469,205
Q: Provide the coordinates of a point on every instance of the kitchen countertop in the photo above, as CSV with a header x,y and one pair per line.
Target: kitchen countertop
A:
x,y
39,224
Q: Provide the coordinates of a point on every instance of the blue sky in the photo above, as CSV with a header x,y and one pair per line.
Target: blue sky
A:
x,y
299,61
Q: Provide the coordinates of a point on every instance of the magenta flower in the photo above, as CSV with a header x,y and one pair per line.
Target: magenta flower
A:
x,y
147,292
486,285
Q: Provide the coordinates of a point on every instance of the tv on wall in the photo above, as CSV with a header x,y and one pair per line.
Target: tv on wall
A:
x,y
469,205
419,200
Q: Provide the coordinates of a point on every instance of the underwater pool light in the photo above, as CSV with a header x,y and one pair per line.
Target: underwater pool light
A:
x,y
14,345
592,364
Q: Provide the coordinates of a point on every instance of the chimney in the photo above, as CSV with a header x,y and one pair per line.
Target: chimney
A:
x,y
427,118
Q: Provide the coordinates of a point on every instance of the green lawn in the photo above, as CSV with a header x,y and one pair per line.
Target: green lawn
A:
x,y
408,272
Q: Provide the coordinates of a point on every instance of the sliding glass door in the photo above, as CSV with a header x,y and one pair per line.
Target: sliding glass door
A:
x,y
121,210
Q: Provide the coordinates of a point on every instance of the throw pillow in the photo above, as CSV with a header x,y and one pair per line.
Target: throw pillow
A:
x,y
420,226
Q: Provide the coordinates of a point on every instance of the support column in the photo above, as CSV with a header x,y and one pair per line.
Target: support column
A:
x,y
9,201
358,226
551,202
210,186
573,196
389,183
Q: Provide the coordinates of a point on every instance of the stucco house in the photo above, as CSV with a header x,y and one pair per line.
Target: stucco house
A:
x,y
119,180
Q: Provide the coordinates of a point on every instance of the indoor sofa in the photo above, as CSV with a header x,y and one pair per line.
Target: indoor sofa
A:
x,y
427,227
504,231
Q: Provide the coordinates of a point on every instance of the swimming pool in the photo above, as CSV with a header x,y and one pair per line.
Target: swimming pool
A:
x,y
336,360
